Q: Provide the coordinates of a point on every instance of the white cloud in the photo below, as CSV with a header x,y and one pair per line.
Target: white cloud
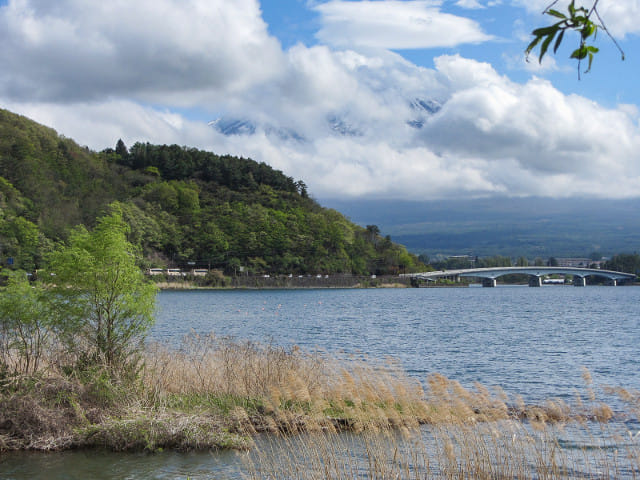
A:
x,y
562,143
176,51
99,125
393,24
471,4
520,62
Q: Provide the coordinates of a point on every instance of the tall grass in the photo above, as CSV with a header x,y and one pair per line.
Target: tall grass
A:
x,y
582,443
314,415
484,451
282,389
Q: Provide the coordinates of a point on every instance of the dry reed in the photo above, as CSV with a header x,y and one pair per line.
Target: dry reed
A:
x,y
214,392
282,389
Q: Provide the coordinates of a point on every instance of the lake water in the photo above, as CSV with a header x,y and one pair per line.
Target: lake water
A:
x,y
530,341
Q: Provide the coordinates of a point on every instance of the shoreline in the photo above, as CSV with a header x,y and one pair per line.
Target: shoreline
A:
x,y
283,282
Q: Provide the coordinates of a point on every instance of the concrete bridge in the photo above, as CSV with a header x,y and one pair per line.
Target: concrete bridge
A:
x,y
536,275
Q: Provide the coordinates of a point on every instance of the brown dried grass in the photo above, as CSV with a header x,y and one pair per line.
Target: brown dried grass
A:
x,y
214,392
287,387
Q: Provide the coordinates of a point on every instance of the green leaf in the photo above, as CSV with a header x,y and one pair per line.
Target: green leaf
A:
x,y
533,44
587,30
545,45
556,13
590,60
579,53
544,31
558,41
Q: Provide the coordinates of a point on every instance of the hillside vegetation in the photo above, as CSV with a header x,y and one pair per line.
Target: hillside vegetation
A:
x,y
184,206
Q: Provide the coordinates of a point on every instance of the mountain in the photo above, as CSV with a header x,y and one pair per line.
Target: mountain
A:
x,y
337,124
185,207
533,227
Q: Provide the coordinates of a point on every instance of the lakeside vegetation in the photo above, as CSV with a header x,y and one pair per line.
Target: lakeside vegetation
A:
x,y
327,416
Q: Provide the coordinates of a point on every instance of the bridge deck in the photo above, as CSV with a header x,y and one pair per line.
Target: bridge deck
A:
x,y
493,273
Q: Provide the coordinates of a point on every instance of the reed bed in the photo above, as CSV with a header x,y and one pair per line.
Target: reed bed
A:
x,y
270,388
485,451
581,446
309,415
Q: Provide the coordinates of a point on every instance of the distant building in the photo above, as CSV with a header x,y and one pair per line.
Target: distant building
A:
x,y
578,262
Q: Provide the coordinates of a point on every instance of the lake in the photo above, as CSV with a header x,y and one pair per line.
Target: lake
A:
x,y
532,342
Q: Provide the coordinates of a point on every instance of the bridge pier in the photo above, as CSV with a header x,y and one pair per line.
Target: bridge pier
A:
x,y
489,282
535,281
579,281
612,282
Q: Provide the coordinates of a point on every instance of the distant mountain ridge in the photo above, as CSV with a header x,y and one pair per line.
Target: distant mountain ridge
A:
x,y
533,227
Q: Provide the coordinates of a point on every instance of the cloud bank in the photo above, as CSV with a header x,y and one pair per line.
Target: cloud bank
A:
x,y
351,121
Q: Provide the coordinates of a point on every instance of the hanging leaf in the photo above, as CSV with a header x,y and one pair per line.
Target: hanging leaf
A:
x,y
578,20
558,41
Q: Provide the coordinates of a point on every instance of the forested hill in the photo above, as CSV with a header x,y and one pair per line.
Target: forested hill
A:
x,y
183,205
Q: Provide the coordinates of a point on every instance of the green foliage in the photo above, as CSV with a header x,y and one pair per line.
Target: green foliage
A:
x,y
578,20
183,205
102,294
25,325
624,262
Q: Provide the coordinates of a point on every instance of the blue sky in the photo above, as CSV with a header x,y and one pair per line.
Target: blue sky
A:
x,y
360,99
610,82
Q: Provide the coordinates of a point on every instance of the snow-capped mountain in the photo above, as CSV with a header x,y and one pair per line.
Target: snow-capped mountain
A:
x,y
338,124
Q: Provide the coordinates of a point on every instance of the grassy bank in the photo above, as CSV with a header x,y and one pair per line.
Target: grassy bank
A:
x,y
215,392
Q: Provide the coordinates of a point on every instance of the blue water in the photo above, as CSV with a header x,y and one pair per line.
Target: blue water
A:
x,y
530,341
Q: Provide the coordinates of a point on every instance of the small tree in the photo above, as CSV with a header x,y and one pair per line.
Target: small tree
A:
x,y
25,325
102,294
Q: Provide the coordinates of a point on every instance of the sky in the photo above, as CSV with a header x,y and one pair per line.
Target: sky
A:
x,y
413,100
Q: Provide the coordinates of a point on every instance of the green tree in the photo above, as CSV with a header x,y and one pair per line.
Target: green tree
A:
x,y
25,325
624,262
121,149
102,293
22,241
495,261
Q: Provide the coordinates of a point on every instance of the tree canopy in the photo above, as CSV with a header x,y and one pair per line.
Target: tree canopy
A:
x,y
183,206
